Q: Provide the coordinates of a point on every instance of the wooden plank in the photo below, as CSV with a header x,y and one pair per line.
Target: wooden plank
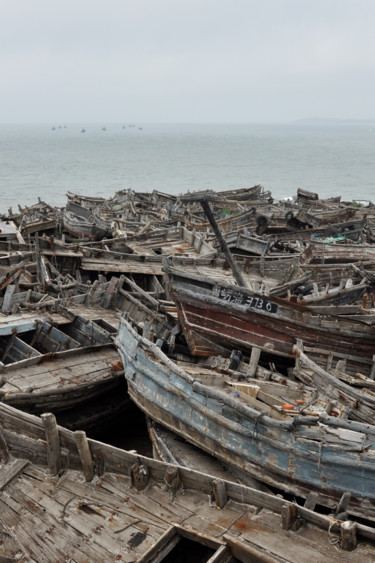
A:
x,y
42,513
66,377
68,359
53,442
85,454
4,452
25,531
11,471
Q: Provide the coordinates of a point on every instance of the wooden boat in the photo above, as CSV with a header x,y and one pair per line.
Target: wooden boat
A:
x,y
66,496
319,252
349,230
345,293
309,198
10,233
171,448
298,454
172,241
64,380
80,222
246,244
355,391
216,316
23,337
304,219
63,368
147,256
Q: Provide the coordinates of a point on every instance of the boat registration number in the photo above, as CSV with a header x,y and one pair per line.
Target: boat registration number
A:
x,y
234,296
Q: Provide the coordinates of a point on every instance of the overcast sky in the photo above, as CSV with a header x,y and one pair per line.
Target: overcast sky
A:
x,y
186,60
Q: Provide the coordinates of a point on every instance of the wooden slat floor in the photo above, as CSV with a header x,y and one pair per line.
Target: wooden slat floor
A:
x,y
45,519
63,372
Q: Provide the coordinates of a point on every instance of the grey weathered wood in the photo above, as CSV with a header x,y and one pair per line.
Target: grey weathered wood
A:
x,y
348,535
220,493
250,552
7,301
235,269
372,372
172,479
254,359
4,452
85,454
165,544
139,474
221,555
11,471
343,503
53,442
311,501
147,331
289,516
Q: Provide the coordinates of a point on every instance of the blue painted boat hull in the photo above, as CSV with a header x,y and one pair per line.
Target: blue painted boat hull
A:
x,y
296,455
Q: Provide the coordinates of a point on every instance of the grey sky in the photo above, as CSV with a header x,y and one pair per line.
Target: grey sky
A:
x,y
186,60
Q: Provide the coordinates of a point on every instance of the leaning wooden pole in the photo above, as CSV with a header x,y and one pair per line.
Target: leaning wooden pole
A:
x,y
224,247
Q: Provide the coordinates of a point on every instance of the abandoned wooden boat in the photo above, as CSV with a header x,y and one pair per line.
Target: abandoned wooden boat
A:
x,y
9,233
304,219
345,293
309,198
242,243
298,454
172,448
64,496
319,252
354,391
59,366
80,222
63,380
23,337
171,241
216,316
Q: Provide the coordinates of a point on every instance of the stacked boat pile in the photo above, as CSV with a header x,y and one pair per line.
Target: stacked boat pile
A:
x,y
244,325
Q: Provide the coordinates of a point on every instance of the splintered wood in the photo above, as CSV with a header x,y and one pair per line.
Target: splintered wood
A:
x,y
46,518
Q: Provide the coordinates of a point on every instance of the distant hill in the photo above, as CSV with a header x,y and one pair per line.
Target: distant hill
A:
x,y
332,121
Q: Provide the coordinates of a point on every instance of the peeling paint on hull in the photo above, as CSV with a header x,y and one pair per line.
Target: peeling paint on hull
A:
x,y
298,456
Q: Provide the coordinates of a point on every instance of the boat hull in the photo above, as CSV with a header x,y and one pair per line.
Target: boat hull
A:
x,y
294,457
214,316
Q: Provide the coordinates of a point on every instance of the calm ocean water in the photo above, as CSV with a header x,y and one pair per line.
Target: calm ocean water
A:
x,y
39,161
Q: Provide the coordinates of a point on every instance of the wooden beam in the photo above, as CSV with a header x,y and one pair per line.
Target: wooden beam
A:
x,y
235,269
219,492
85,454
139,475
172,478
289,516
4,452
53,442
11,471
254,359
348,535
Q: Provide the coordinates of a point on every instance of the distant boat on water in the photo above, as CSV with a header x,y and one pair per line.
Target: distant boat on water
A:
x,y
83,130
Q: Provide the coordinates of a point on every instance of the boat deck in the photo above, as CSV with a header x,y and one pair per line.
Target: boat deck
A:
x,y
46,518
69,370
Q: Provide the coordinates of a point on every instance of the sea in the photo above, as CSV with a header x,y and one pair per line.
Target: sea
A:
x,y
45,161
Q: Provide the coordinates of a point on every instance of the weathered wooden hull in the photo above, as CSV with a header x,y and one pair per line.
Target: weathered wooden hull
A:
x,y
298,456
359,402
61,381
80,221
214,315
67,497
322,252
